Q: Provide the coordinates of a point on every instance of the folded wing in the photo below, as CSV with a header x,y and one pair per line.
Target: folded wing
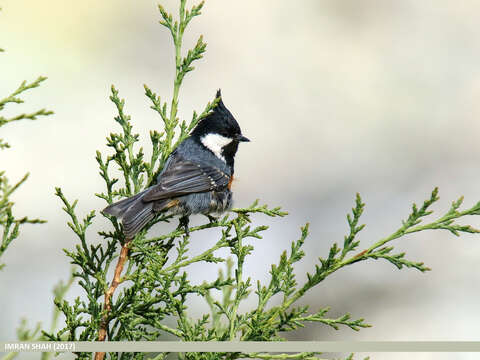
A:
x,y
185,177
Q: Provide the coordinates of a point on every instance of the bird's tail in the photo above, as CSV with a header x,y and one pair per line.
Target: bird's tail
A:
x,y
119,208
136,217
134,212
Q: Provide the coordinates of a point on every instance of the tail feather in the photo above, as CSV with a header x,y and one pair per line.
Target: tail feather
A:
x,y
136,217
135,213
119,208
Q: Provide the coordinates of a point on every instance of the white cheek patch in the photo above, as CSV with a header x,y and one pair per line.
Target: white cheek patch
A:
x,y
215,143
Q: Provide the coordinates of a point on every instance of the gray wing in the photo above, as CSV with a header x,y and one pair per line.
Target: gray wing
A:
x,y
183,177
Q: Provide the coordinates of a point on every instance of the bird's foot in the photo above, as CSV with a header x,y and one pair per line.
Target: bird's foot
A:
x,y
183,222
211,218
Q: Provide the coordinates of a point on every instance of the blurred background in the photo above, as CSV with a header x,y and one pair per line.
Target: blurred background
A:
x,y
338,97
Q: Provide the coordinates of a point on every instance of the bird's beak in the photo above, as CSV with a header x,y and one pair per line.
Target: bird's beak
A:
x,y
241,138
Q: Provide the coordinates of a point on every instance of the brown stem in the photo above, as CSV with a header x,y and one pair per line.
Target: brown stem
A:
x,y
102,332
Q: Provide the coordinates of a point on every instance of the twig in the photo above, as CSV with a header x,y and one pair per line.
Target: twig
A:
x,y
102,333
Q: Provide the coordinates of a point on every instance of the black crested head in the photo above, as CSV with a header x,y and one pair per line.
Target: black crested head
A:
x,y
220,121
219,132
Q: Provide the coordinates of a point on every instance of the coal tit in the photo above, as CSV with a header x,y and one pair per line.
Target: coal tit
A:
x,y
196,178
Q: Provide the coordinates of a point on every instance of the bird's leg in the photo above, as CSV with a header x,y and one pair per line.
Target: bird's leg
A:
x,y
211,218
184,220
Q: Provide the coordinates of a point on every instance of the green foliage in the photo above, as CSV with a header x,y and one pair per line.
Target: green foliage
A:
x,y
155,283
9,224
14,98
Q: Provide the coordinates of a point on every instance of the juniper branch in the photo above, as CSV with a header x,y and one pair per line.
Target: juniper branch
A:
x,y
10,223
279,317
13,98
135,163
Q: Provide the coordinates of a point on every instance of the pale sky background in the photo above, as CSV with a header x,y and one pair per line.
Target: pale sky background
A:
x,y
338,97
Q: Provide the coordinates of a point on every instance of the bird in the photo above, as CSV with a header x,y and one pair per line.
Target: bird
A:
x,y
196,178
